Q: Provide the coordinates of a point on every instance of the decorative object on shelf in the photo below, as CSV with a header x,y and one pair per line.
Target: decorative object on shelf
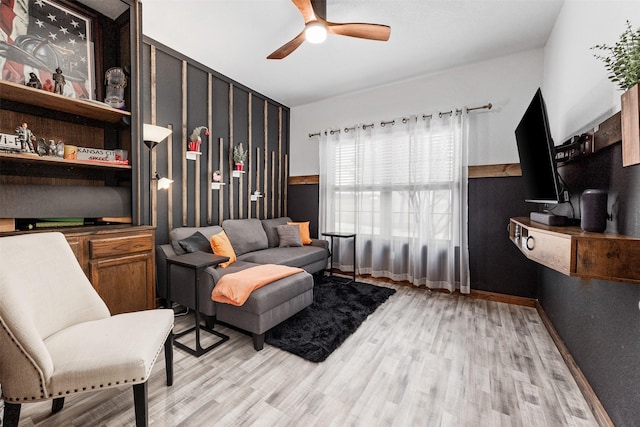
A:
x,y
623,62
60,149
70,152
115,81
121,155
59,81
239,156
26,138
163,182
9,143
96,154
34,82
216,180
195,140
61,40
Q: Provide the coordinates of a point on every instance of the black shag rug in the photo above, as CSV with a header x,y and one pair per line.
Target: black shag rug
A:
x,y
337,310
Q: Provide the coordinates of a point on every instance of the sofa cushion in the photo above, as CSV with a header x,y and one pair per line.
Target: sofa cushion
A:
x,y
221,246
245,235
196,242
180,233
289,236
293,257
304,231
271,231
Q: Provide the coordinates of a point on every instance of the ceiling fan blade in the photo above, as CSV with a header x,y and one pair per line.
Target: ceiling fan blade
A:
x,y
363,31
306,9
287,48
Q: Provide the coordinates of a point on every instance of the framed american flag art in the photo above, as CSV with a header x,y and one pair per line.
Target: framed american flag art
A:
x,y
47,44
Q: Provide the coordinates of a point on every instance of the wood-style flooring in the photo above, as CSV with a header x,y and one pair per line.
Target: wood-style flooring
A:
x,y
422,359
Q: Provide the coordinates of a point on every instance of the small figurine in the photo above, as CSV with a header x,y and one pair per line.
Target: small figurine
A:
x,y
48,86
34,82
217,177
42,147
52,149
26,138
59,80
194,138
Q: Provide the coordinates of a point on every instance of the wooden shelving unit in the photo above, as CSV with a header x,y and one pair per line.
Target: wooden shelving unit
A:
x,y
575,252
56,161
41,98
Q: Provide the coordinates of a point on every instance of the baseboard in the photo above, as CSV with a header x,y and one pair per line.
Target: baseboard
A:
x,y
507,299
589,395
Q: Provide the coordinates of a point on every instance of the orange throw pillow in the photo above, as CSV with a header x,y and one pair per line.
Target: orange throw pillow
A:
x,y
305,236
222,246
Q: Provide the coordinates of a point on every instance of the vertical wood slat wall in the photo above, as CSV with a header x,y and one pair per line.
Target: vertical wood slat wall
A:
x,y
232,113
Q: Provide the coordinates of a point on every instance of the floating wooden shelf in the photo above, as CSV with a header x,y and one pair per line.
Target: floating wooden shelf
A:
x,y
41,98
575,252
56,161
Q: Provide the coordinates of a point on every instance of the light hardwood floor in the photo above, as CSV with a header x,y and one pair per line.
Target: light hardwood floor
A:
x,y
422,359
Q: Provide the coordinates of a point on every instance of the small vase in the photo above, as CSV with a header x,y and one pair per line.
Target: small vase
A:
x,y
193,146
239,166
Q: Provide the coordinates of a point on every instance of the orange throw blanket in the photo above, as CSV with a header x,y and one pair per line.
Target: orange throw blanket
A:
x,y
235,288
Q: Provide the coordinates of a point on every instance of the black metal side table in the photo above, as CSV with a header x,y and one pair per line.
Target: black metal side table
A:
x,y
332,234
197,261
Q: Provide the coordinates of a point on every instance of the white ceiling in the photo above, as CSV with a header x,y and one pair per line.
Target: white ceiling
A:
x,y
234,38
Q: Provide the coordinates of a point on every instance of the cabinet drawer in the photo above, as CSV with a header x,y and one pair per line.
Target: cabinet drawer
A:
x,y
115,246
551,250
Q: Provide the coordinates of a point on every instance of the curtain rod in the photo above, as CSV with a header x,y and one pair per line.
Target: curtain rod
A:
x,y
405,119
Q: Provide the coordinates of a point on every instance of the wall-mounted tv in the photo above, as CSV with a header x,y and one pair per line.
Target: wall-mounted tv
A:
x,y
538,157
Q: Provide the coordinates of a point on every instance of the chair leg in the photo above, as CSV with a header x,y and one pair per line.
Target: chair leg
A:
x,y
57,405
11,414
258,341
140,401
168,358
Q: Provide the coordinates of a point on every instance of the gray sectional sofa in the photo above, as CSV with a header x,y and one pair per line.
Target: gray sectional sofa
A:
x,y
254,242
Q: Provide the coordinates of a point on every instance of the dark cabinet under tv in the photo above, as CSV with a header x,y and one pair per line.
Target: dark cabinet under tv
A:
x,y
575,252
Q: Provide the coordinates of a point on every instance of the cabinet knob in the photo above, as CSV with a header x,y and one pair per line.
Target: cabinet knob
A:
x,y
529,242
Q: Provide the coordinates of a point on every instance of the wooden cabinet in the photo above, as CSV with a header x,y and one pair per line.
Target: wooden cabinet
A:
x,y
575,252
120,263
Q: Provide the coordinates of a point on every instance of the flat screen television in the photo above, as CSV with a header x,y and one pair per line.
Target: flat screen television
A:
x,y
538,158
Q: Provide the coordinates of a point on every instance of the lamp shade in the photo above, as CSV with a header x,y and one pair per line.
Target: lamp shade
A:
x,y
153,134
163,183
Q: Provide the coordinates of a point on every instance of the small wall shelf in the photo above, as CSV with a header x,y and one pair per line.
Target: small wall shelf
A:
x,y
575,252
192,155
236,173
217,185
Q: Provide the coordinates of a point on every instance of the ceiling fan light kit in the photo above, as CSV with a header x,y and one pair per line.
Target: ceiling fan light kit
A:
x,y
316,29
315,32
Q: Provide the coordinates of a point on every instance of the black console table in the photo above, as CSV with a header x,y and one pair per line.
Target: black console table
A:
x,y
332,234
197,261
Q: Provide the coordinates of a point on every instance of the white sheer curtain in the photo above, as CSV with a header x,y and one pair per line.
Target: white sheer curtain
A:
x,y
402,187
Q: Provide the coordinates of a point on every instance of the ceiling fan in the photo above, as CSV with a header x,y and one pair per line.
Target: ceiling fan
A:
x,y
316,28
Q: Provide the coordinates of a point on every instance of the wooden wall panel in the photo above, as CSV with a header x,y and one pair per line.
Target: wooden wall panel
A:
x,y
189,94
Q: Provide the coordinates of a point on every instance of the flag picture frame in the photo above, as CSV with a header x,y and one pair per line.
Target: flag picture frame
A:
x,y
46,38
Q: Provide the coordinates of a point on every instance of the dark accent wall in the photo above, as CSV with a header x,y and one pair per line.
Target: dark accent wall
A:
x,y
495,264
304,205
598,320
189,94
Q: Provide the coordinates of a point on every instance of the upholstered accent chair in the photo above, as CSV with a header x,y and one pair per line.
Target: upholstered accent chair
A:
x,y
57,336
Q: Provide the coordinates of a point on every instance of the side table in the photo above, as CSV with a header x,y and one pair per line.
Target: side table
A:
x,y
331,235
197,261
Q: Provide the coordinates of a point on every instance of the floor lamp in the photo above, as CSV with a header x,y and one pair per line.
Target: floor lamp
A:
x,y
152,135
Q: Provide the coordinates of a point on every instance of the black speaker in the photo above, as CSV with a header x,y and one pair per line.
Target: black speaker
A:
x,y
593,210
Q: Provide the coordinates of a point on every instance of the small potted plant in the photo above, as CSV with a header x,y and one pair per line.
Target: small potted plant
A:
x,y
239,156
195,140
622,60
